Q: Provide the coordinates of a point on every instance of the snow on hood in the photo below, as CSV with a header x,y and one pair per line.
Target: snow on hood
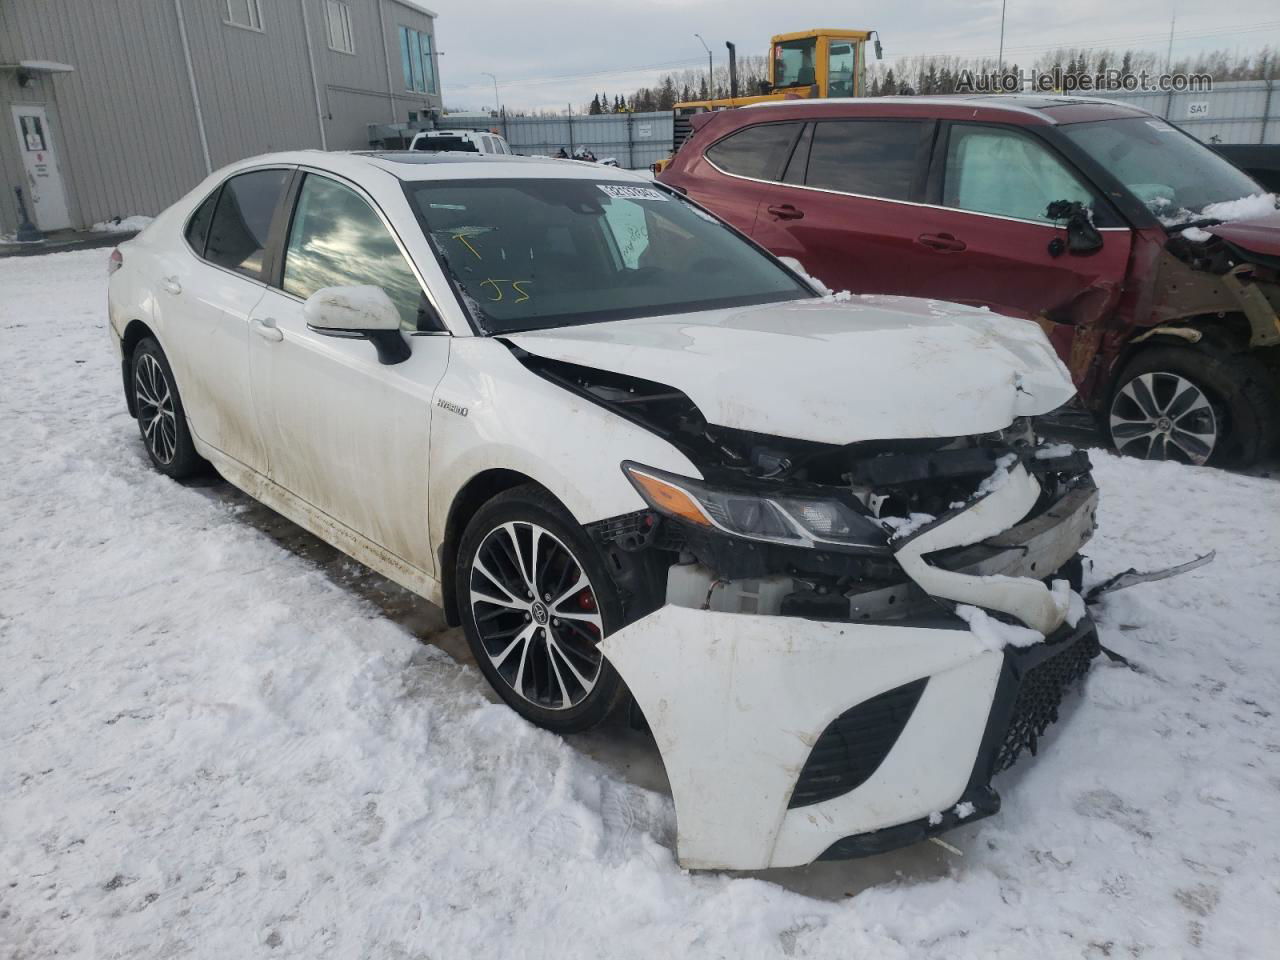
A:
x,y
1259,236
1246,208
870,368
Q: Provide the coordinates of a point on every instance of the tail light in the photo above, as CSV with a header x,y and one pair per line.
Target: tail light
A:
x,y
115,261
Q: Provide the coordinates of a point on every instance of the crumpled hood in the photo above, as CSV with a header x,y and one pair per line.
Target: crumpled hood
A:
x,y
869,368
1258,236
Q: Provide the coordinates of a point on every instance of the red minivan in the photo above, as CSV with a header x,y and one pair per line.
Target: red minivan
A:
x,y
1093,218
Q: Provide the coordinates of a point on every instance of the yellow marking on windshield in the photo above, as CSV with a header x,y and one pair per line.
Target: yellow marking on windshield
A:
x,y
470,247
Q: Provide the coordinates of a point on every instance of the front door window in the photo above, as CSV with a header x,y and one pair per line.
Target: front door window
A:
x,y
1007,173
338,241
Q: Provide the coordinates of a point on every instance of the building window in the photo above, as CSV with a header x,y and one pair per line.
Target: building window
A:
x,y
415,59
338,17
244,13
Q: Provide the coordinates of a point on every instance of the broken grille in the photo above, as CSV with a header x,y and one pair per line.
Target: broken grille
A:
x,y
1040,695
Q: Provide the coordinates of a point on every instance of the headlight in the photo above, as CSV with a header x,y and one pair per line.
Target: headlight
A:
x,y
794,521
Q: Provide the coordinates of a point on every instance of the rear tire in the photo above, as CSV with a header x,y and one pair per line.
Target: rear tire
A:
x,y
1195,404
162,420
535,599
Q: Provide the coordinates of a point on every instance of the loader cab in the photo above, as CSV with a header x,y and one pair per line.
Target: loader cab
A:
x,y
817,63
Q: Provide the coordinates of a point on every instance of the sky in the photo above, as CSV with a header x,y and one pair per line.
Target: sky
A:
x,y
552,52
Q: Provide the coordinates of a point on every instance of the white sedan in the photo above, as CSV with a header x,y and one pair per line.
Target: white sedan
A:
x,y
814,539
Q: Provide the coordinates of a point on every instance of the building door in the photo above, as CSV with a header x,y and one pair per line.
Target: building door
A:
x,y
46,198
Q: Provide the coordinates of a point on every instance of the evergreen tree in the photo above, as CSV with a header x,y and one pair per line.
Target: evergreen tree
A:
x,y
594,109
890,84
667,97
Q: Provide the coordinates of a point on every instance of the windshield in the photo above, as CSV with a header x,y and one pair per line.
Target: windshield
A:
x,y
793,63
1175,175
533,254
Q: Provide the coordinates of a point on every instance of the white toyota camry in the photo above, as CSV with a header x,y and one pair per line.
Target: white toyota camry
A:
x,y
813,538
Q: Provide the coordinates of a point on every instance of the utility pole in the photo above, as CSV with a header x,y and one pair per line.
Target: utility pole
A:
x,y
711,88
1000,57
497,107
1168,57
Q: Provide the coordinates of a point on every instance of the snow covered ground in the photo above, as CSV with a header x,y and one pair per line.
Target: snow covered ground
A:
x,y
213,746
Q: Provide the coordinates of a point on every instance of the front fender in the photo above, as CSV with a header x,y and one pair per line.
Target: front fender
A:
x,y
492,413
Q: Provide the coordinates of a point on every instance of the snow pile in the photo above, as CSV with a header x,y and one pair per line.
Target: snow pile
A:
x,y
995,634
818,286
132,224
1245,208
1052,450
903,527
211,749
999,477
1197,235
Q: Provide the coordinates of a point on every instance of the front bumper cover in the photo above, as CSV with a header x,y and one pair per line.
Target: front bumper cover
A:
x,y
741,704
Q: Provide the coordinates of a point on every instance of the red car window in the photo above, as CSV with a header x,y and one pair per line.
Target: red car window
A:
x,y
758,152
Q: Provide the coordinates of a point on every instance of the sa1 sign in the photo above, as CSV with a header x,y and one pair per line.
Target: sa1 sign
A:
x,y
1198,108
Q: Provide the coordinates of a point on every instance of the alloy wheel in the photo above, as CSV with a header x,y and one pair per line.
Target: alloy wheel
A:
x,y
156,409
537,615
1164,416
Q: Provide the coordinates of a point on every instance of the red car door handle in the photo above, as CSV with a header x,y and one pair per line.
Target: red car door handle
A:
x,y
941,241
785,211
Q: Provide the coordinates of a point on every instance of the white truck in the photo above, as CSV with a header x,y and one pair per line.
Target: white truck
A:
x,y
460,141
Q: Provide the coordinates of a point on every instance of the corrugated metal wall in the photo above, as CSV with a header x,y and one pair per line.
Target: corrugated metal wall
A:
x,y
124,121
1246,111
635,140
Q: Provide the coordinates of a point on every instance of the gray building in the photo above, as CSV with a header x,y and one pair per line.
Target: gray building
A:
x,y
118,107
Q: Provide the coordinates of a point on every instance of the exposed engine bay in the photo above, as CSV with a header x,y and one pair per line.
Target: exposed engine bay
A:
x,y
1221,270
790,527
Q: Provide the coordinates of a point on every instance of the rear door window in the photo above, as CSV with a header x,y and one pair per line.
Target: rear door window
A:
x,y
1007,173
758,152
241,223
874,158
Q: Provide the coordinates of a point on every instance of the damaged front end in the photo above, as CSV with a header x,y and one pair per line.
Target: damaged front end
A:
x,y
1212,269
799,649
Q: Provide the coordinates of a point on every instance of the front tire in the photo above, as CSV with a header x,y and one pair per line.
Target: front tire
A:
x,y
536,599
162,421
1198,405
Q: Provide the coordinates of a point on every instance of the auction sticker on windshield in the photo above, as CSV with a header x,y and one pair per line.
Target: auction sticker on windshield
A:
x,y
624,191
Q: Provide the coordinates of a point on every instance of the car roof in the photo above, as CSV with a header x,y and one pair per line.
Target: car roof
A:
x,y
1025,108
457,133
432,165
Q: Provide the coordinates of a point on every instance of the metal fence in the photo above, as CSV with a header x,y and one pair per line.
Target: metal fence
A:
x,y
1246,111
635,140
1243,111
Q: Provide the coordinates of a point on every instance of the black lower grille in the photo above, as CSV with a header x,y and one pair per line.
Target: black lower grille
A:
x,y
854,744
1040,694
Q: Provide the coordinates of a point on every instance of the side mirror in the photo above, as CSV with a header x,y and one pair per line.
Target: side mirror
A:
x,y
364,311
1082,235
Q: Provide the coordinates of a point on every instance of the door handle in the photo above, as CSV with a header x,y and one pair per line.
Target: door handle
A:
x,y
943,242
171,285
785,211
266,328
